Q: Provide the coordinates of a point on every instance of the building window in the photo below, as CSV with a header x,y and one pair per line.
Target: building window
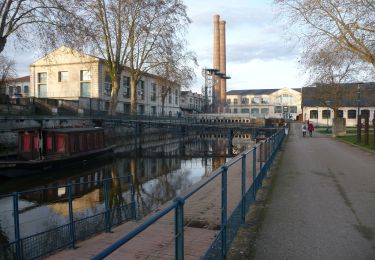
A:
x,y
170,98
85,77
153,92
365,113
26,89
63,76
176,98
278,109
340,113
255,100
264,111
126,86
255,111
352,114
141,109
313,114
245,110
235,111
293,109
42,84
127,108
153,110
228,101
107,85
326,114
265,100
141,90
235,101
245,101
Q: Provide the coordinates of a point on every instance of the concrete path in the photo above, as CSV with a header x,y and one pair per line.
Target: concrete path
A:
x,y
323,202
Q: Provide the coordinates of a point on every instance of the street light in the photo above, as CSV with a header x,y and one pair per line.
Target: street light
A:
x,y
328,103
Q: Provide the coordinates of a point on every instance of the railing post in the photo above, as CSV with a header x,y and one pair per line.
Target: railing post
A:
x,y
254,172
132,192
16,226
260,155
179,228
106,204
243,188
71,217
224,202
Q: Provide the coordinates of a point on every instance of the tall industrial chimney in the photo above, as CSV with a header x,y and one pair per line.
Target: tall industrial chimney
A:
x,y
216,86
223,81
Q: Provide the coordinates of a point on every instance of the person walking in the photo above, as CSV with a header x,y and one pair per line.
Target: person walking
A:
x,y
304,129
310,128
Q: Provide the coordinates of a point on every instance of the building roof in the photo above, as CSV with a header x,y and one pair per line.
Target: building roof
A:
x,y
342,95
244,92
22,79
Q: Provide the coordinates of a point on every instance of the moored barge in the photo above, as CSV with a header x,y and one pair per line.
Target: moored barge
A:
x,y
41,150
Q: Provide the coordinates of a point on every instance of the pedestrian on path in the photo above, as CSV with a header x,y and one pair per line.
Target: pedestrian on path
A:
x,y
304,129
310,128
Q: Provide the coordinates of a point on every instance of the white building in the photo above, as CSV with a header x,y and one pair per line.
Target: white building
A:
x,y
318,101
191,102
66,74
265,103
18,87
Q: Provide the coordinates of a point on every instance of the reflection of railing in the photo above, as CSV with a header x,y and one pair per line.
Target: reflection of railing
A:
x,y
266,151
71,207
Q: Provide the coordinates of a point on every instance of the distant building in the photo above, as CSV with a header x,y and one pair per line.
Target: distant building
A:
x,y
66,74
317,99
18,87
265,103
191,102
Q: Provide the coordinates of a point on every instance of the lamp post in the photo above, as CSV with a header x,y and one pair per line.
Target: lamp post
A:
x,y
358,114
328,103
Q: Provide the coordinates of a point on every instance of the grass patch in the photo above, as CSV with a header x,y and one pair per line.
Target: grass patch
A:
x,y
353,140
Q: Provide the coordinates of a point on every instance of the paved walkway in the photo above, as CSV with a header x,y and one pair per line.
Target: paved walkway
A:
x,y
323,202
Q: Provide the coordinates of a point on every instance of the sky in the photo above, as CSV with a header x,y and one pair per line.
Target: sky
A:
x,y
258,54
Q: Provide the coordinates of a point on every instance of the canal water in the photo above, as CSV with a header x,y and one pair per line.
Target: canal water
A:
x,y
134,183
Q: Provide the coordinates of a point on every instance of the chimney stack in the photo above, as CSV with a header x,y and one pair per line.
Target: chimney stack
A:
x,y
216,65
223,62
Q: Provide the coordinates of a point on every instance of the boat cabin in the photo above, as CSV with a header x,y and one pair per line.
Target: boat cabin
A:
x,y
59,142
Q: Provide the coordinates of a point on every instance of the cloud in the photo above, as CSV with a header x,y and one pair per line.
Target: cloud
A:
x,y
242,52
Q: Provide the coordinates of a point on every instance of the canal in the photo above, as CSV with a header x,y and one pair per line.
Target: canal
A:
x,y
111,192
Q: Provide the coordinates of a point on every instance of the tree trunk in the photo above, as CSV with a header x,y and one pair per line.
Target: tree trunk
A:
x,y
114,94
3,41
133,95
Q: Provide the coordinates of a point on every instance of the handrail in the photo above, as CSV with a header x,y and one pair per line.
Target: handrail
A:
x,y
269,153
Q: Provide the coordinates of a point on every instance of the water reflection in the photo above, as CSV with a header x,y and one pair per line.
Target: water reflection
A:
x,y
126,188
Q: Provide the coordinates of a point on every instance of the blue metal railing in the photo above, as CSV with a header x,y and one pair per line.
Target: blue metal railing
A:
x,y
219,247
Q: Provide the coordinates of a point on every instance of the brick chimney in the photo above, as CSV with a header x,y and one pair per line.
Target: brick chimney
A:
x,y
223,62
216,65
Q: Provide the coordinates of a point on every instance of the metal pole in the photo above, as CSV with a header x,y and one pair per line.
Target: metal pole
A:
x,y
179,228
224,212
358,114
16,226
254,171
106,204
243,188
71,216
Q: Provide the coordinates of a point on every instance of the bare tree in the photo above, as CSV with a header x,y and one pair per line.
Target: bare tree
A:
x,y
131,35
347,24
7,71
177,70
31,20
331,68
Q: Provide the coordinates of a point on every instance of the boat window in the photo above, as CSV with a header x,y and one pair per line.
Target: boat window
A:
x,y
82,142
60,143
26,145
90,141
73,143
36,143
49,143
